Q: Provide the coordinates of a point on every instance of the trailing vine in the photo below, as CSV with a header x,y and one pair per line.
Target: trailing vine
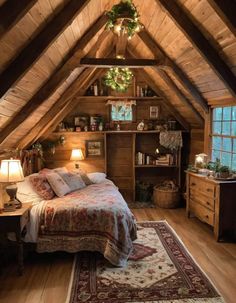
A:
x,y
118,78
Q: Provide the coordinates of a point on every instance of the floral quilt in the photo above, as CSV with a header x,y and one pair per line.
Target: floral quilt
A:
x,y
95,218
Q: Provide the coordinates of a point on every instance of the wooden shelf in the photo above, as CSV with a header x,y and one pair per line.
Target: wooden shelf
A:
x,y
114,132
105,98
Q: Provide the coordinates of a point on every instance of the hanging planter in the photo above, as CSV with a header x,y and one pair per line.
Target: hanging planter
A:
x,y
119,79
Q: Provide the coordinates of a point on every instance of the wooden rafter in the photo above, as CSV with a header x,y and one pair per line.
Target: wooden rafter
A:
x,y
165,103
111,62
166,62
55,80
39,44
72,104
201,43
226,10
11,12
181,96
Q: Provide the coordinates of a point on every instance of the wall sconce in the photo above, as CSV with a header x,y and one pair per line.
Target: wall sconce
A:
x,y
77,155
11,172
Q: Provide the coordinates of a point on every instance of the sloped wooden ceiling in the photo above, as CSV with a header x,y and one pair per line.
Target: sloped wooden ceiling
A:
x,y
41,46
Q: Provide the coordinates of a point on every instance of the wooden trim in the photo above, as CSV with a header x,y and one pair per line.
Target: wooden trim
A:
x,y
39,44
166,62
181,96
226,10
201,43
54,81
110,62
11,12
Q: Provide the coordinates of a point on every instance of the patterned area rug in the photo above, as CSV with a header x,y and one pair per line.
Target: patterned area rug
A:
x,y
160,270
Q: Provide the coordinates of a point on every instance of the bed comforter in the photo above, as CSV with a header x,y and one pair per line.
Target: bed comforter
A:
x,y
95,218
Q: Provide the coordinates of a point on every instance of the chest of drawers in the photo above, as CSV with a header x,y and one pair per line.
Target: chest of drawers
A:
x,y
213,202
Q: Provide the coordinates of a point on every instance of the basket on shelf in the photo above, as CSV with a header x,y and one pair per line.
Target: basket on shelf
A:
x,y
166,195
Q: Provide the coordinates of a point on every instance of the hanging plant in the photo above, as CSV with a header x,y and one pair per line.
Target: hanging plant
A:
x,y
124,17
118,78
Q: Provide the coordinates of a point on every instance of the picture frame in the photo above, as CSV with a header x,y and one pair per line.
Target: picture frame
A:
x,y
154,112
94,148
81,122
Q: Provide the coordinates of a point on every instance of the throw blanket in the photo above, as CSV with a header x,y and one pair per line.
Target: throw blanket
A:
x,y
95,218
171,139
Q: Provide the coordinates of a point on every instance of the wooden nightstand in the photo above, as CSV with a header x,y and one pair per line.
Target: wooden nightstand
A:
x,y
15,222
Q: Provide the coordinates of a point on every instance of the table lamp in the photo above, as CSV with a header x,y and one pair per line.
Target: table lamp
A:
x,y
77,155
11,172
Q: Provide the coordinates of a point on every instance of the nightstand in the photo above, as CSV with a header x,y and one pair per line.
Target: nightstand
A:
x,y
15,222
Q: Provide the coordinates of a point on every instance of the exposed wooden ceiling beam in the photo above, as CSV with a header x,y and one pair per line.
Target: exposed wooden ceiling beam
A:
x,y
111,62
181,96
226,10
166,62
165,103
70,106
39,44
55,80
202,44
11,12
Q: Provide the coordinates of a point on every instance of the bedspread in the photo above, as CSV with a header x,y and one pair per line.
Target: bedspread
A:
x,y
95,218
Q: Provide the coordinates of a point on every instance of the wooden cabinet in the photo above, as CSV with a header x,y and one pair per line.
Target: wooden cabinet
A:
x,y
213,202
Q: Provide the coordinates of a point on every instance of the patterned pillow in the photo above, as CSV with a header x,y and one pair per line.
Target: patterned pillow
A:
x,y
42,187
74,181
58,184
83,176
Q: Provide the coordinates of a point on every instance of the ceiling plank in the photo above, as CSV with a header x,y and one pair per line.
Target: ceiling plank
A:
x,y
226,10
121,44
181,96
111,62
201,43
39,44
11,12
54,81
70,106
165,103
159,53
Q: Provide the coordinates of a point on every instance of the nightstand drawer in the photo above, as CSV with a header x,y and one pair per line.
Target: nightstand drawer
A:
x,y
202,187
202,199
203,213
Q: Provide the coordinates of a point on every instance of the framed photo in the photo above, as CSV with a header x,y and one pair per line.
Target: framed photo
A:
x,y
94,148
81,122
154,112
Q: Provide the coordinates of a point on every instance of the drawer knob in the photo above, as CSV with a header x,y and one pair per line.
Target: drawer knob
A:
x,y
193,184
207,216
208,203
209,189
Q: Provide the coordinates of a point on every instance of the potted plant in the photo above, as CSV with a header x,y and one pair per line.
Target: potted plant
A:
x,y
224,171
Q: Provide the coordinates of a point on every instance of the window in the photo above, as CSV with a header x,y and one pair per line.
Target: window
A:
x,y
224,135
121,113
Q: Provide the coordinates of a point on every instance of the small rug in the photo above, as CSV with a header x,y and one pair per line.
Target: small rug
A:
x,y
138,205
159,270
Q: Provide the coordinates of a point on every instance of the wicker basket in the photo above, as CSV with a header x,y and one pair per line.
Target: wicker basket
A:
x,y
166,195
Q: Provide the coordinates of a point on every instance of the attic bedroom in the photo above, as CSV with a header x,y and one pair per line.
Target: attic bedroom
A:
x,y
117,151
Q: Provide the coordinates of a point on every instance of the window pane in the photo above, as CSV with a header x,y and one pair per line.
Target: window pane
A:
x,y
233,112
215,154
234,147
227,144
217,113
216,143
234,162
216,128
226,159
233,128
227,113
226,128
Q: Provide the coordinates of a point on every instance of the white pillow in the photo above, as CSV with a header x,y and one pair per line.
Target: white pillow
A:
x,y
97,177
73,180
25,192
58,185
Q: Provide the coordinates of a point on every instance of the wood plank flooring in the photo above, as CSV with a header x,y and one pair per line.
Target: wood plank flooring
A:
x,y
46,276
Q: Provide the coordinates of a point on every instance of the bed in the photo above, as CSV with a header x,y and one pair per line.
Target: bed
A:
x,y
94,218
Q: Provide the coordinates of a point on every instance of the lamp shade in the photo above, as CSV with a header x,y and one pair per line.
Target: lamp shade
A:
x,y
11,171
77,154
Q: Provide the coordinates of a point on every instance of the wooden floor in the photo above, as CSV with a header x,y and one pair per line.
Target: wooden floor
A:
x,y
47,276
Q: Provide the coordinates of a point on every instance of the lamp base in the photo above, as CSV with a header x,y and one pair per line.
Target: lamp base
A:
x,y
76,165
11,191
9,206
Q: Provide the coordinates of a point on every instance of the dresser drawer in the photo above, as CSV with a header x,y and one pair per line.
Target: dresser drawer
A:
x,y
202,186
202,199
203,213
